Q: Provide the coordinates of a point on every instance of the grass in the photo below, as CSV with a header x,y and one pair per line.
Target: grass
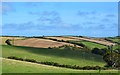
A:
x,y
91,45
27,67
55,55
61,56
114,39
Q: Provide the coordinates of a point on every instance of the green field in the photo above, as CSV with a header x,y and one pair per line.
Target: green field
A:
x,y
90,45
61,56
114,39
27,67
55,55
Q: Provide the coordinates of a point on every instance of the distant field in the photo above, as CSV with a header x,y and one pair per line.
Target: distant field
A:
x,y
95,40
33,42
37,48
11,38
99,41
91,45
61,38
40,43
56,55
117,40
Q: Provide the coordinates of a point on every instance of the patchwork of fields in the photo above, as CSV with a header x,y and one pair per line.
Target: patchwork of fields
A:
x,y
38,49
26,67
104,42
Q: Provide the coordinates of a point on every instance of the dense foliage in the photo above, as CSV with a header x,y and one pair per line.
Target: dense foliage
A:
x,y
112,59
8,42
99,51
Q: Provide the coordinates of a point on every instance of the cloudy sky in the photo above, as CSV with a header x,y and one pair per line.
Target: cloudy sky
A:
x,y
60,18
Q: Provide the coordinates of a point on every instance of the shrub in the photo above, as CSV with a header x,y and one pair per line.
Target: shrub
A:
x,y
86,68
99,51
114,61
30,60
49,48
17,58
8,42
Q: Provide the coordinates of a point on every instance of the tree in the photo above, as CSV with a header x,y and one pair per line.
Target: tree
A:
x,y
99,51
114,61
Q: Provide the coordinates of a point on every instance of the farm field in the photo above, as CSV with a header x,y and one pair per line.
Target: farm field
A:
x,y
55,55
95,40
90,42
59,38
3,39
38,49
65,38
90,45
27,67
40,43
114,39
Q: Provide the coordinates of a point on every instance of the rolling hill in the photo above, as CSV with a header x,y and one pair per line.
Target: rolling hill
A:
x,y
70,57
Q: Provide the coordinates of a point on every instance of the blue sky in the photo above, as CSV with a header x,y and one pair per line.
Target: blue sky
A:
x,y
96,19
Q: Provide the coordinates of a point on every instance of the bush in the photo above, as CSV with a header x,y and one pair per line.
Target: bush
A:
x,y
30,60
49,48
17,58
112,62
99,51
8,42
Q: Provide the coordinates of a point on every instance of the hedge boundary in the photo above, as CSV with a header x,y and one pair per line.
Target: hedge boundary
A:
x,y
58,65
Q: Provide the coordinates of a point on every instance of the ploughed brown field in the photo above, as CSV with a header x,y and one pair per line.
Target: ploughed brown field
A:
x,y
40,43
100,41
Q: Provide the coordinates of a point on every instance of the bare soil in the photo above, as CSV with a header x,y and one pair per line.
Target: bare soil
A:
x,y
40,43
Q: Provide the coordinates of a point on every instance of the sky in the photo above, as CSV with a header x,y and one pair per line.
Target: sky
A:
x,y
95,19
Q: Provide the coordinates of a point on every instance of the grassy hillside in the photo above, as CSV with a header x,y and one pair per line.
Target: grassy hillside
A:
x,y
27,67
90,45
55,55
114,39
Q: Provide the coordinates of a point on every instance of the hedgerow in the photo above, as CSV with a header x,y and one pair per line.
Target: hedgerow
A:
x,y
57,64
